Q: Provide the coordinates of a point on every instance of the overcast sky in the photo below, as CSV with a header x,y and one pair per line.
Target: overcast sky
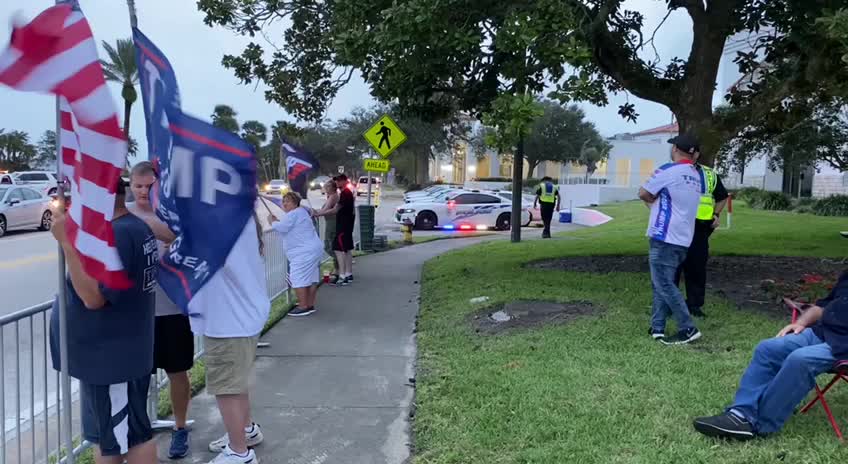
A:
x,y
195,51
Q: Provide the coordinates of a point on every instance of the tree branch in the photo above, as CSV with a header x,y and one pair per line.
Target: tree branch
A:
x,y
620,62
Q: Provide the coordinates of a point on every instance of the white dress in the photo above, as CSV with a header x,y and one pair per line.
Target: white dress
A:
x,y
304,249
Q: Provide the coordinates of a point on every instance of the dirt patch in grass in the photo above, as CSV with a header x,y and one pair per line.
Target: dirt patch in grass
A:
x,y
753,282
527,314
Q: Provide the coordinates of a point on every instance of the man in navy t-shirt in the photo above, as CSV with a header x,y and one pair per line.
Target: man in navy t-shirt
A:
x,y
783,370
110,339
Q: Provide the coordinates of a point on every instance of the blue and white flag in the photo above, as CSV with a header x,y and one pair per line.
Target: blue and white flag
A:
x,y
299,165
207,180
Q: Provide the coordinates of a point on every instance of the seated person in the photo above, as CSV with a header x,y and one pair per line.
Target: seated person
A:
x,y
784,369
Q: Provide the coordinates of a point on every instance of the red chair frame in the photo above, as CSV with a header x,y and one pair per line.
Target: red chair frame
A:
x,y
839,371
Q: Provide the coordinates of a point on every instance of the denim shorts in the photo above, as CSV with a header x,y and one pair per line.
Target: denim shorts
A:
x,y
114,417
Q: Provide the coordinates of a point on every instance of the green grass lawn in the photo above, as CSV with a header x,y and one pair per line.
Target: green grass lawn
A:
x,y
599,390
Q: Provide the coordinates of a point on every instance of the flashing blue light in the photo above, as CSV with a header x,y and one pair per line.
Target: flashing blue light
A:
x,y
448,227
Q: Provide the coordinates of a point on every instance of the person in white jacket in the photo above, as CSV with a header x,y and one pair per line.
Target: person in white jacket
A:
x,y
304,250
230,312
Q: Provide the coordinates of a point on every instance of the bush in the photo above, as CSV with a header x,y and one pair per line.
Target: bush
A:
x,y
747,194
836,205
804,205
771,201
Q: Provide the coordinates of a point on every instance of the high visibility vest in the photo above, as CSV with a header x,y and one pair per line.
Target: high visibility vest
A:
x,y
706,209
549,192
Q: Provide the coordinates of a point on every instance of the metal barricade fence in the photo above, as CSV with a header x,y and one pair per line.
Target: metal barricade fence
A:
x,y
32,404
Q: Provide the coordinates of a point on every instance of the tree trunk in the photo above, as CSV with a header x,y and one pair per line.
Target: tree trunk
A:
x,y
127,111
517,188
422,162
532,164
700,124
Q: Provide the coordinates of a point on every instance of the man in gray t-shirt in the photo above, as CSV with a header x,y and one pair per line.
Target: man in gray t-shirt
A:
x,y
173,348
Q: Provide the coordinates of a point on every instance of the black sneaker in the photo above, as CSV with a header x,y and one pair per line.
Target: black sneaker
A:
x,y
697,312
346,281
334,279
683,337
297,311
726,425
656,334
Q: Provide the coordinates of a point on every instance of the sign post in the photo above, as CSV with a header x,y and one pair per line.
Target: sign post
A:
x,y
385,137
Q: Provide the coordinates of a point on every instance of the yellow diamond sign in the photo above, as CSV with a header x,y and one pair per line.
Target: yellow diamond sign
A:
x,y
385,136
377,165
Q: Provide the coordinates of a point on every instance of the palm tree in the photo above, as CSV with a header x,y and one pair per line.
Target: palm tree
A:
x,y
121,68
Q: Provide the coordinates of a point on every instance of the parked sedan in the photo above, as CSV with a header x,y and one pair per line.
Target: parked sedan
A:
x,y
23,208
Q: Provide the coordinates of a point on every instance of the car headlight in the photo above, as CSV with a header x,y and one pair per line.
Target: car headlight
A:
x,y
405,210
267,187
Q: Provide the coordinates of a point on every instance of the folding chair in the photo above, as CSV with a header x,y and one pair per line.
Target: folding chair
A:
x,y
839,372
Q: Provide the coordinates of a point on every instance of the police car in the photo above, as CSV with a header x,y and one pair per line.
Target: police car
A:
x,y
460,210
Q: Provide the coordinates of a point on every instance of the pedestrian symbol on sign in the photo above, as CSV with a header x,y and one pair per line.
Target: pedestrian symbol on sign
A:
x,y
385,133
385,136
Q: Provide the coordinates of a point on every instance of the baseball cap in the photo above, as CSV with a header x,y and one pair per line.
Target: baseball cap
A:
x,y
686,143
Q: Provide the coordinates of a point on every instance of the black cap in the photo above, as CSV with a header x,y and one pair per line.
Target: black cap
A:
x,y
686,143
340,178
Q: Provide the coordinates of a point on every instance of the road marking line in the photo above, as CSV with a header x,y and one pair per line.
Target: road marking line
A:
x,y
30,260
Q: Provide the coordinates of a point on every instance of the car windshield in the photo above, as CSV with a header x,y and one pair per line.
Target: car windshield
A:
x,y
277,182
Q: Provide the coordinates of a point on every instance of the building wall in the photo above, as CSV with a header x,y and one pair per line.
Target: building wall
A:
x,y
829,181
631,162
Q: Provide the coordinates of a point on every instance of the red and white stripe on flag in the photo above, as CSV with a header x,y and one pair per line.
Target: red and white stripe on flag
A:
x,y
57,53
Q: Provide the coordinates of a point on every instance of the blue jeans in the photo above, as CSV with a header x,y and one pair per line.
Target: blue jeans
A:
x,y
782,372
668,300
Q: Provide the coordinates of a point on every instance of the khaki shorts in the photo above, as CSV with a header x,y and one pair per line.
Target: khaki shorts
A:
x,y
228,364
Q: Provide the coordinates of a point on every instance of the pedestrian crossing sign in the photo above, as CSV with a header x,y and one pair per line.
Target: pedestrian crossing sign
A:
x,y
385,136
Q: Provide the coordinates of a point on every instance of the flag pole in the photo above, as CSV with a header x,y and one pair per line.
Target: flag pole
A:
x,y
63,306
133,17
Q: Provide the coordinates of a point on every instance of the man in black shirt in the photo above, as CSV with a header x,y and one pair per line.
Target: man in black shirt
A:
x,y
784,369
694,268
345,213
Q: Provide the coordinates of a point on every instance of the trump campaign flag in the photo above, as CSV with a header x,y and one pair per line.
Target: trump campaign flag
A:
x,y
299,164
56,53
207,181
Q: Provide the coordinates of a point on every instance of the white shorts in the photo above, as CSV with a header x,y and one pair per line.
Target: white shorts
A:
x,y
304,271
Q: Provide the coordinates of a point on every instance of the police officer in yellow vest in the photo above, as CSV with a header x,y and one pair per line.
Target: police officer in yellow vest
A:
x,y
547,196
694,268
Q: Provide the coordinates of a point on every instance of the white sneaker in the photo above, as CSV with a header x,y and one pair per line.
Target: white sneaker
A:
x,y
253,437
229,457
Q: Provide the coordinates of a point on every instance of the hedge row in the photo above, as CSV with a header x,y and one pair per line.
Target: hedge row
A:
x,y
836,205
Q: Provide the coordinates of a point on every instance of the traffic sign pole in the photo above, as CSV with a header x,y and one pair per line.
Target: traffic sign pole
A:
x,y
369,188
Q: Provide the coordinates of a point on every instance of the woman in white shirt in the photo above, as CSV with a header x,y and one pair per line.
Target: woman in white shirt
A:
x,y
304,251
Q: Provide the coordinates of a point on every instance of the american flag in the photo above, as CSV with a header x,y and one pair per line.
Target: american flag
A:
x,y
56,53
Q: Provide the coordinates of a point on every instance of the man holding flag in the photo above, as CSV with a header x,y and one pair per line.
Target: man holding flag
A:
x,y
207,181
110,254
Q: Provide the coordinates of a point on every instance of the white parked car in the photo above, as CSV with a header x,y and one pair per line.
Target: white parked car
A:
x,y
43,181
535,213
459,210
23,208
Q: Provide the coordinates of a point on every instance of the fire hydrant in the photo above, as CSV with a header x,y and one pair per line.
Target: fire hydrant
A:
x,y
406,228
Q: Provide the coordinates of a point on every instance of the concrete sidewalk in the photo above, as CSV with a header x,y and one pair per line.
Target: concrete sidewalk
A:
x,y
334,387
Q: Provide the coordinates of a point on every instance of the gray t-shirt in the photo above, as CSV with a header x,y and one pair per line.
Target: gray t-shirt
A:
x,y
114,344
164,305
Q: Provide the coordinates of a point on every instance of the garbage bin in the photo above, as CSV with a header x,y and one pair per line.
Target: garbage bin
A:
x,y
565,216
366,227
